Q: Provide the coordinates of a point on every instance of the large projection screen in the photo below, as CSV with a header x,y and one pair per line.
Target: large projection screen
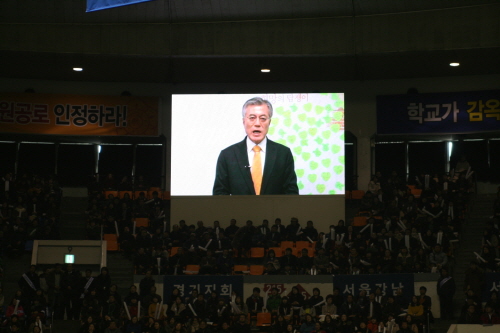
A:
x,y
310,125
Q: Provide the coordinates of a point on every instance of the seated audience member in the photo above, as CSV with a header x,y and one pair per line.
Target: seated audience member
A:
x,y
489,316
329,308
308,325
321,261
241,326
415,309
470,316
314,303
279,325
225,263
288,259
304,262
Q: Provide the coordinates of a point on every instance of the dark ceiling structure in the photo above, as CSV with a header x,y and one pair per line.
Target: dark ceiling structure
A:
x,y
185,41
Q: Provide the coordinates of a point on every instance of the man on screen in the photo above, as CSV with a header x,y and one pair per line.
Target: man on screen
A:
x,y
256,165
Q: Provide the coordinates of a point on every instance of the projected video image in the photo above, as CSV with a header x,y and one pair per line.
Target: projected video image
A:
x,y
302,144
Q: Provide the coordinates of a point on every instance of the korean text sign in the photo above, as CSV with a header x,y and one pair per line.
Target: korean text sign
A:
x,y
491,284
78,114
388,283
224,286
456,112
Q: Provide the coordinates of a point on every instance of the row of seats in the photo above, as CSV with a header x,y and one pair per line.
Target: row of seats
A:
x,y
260,252
255,252
165,195
359,194
237,269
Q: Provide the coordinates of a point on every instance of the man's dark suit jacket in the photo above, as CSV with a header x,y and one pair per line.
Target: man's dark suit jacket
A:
x,y
233,171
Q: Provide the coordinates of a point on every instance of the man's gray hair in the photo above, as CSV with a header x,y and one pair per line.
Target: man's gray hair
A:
x,y
257,101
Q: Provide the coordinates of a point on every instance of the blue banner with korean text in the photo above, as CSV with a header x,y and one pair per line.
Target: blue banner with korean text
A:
x,y
93,5
388,283
491,284
454,112
224,286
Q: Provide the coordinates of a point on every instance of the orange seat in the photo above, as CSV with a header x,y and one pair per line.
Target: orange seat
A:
x,y
278,251
111,242
122,193
357,194
411,187
359,221
286,244
257,252
240,269
107,193
256,269
416,192
263,319
302,244
141,222
173,250
192,269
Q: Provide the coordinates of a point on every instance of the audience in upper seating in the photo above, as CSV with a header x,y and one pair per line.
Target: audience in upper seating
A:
x,y
403,233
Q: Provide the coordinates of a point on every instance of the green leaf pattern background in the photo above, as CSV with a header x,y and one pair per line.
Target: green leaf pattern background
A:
x,y
312,126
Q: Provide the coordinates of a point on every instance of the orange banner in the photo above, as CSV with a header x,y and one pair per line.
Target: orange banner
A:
x,y
78,115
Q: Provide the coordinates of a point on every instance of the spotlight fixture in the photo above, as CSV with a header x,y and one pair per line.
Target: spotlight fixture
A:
x,y
454,64
77,69
265,70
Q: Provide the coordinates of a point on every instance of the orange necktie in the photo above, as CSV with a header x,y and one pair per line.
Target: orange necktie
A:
x,y
257,170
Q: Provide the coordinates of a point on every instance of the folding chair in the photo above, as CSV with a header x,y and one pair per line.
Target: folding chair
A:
x,y
278,251
192,269
141,222
357,194
257,252
240,269
286,244
263,319
302,244
256,269
359,221
111,242
416,192
173,250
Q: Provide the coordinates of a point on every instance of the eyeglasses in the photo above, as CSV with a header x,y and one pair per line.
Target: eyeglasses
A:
x,y
253,119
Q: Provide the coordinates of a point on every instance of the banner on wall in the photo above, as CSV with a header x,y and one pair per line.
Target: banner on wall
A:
x,y
306,289
491,284
93,5
455,112
78,114
388,283
224,286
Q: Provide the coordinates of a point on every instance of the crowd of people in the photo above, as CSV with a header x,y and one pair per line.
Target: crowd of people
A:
x,y
474,310
403,234
30,209
62,292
